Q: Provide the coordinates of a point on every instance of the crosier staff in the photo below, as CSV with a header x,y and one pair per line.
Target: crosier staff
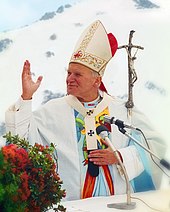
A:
x,y
132,76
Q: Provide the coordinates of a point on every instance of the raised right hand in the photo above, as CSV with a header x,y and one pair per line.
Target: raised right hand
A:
x,y
29,87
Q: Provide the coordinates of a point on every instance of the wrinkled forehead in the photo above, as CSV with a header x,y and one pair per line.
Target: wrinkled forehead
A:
x,y
79,67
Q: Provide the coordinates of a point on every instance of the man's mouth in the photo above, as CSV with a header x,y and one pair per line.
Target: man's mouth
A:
x,y
71,85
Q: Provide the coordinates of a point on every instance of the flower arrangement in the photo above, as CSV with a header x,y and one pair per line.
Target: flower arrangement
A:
x,y
28,177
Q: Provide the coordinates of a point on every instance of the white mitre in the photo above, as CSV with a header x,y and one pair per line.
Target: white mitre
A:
x,y
95,48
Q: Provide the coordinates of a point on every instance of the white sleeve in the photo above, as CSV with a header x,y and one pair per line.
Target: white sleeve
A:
x,y
132,161
17,118
155,140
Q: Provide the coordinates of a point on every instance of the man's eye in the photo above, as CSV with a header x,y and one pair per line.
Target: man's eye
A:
x,y
77,74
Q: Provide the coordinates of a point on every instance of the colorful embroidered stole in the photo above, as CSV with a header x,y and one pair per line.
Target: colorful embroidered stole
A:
x,y
102,184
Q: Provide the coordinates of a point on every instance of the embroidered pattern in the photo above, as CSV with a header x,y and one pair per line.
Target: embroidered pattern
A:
x,y
89,36
90,112
91,133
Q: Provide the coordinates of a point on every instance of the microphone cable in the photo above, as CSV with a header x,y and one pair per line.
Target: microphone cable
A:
x,y
151,154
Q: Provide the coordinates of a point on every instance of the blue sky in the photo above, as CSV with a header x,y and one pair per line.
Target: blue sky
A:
x,y
16,13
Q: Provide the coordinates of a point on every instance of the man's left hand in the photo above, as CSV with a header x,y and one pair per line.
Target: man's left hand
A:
x,y
102,157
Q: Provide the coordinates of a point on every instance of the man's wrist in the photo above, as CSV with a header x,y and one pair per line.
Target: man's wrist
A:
x,y
26,97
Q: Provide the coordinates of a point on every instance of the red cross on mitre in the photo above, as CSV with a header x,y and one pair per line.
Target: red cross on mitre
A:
x,y
78,54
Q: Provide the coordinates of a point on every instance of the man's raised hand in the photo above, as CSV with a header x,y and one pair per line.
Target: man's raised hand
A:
x,y
29,87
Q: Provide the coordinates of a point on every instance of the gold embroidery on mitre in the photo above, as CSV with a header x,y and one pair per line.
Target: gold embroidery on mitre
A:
x,y
89,35
89,59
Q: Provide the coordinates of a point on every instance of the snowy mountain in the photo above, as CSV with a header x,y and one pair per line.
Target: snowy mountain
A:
x,y
48,44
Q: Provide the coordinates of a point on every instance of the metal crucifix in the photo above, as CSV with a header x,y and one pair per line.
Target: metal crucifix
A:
x,y
132,76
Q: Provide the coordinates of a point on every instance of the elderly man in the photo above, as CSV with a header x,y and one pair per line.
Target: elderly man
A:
x,y
85,163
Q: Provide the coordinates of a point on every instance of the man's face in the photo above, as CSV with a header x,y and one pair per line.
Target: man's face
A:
x,y
81,82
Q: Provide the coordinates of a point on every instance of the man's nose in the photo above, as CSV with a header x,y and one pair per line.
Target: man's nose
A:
x,y
71,77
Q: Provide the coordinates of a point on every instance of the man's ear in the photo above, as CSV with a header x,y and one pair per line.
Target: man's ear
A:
x,y
98,81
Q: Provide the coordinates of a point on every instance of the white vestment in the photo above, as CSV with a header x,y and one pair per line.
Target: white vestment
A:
x,y
55,122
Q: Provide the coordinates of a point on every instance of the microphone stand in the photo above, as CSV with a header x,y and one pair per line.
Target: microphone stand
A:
x,y
162,161
128,205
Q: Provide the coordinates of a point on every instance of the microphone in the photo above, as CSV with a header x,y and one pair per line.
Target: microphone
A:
x,y
119,123
103,132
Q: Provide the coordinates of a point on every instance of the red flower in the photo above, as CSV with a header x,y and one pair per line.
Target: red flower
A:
x,y
9,151
17,156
